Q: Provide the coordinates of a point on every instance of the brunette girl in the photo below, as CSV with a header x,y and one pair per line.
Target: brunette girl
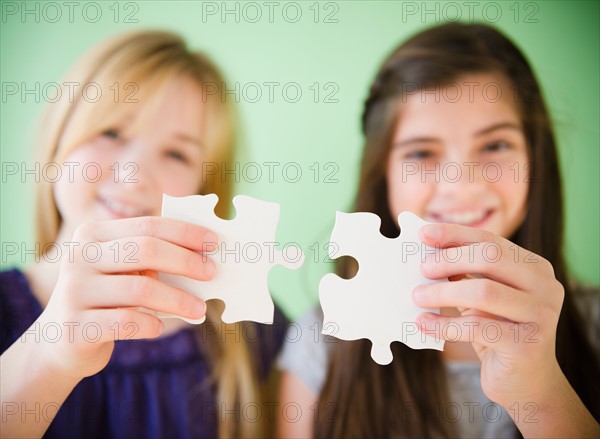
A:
x,y
465,96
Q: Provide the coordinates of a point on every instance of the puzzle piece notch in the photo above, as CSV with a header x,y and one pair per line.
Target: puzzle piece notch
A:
x,y
244,256
389,269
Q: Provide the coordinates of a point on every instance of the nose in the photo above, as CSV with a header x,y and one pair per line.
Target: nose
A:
x,y
134,168
460,179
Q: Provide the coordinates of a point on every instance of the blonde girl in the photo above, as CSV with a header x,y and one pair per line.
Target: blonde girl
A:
x,y
139,123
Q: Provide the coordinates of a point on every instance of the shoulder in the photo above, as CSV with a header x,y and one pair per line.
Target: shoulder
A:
x,y
587,301
18,306
306,350
584,296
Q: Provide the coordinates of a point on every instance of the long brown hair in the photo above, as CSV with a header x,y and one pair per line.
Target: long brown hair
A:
x,y
142,64
369,400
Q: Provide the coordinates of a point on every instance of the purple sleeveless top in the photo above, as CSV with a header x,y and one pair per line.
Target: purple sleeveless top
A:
x,y
149,389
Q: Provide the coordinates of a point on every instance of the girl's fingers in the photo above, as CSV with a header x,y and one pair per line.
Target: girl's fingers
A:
x,y
444,235
484,295
143,291
175,231
471,250
149,253
482,260
481,330
106,325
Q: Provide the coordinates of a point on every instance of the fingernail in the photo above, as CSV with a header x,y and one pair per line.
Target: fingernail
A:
x,y
210,269
431,231
427,324
201,306
418,294
211,238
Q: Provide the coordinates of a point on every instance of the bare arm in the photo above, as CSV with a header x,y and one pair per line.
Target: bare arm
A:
x,y
515,294
297,402
559,413
37,375
29,405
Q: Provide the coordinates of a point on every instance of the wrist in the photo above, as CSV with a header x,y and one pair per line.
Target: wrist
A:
x,y
553,411
48,355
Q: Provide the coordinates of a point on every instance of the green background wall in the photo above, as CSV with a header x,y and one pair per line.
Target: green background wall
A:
x,y
340,52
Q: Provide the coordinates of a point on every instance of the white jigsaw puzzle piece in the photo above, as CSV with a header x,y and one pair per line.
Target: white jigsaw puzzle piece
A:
x,y
245,254
377,303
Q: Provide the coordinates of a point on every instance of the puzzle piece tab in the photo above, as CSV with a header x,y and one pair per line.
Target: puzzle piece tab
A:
x,y
245,254
377,303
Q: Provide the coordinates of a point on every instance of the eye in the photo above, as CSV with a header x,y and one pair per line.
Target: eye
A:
x,y
111,134
420,154
500,145
177,155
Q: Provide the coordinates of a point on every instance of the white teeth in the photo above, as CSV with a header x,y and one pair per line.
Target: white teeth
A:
x,y
123,209
468,217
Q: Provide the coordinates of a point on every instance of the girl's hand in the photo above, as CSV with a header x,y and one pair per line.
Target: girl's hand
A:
x,y
509,312
111,272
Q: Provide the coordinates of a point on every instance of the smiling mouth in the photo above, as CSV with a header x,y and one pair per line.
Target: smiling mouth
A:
x,y
471,218
119,209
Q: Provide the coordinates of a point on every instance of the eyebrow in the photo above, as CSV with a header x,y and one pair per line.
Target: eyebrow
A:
x,y
500,126
491,128
189,139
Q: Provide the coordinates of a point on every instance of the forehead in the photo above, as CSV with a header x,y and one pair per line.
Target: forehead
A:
x,y
470,103
181,94
178,104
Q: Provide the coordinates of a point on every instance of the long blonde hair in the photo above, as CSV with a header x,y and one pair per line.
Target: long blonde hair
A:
x,y
134,69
